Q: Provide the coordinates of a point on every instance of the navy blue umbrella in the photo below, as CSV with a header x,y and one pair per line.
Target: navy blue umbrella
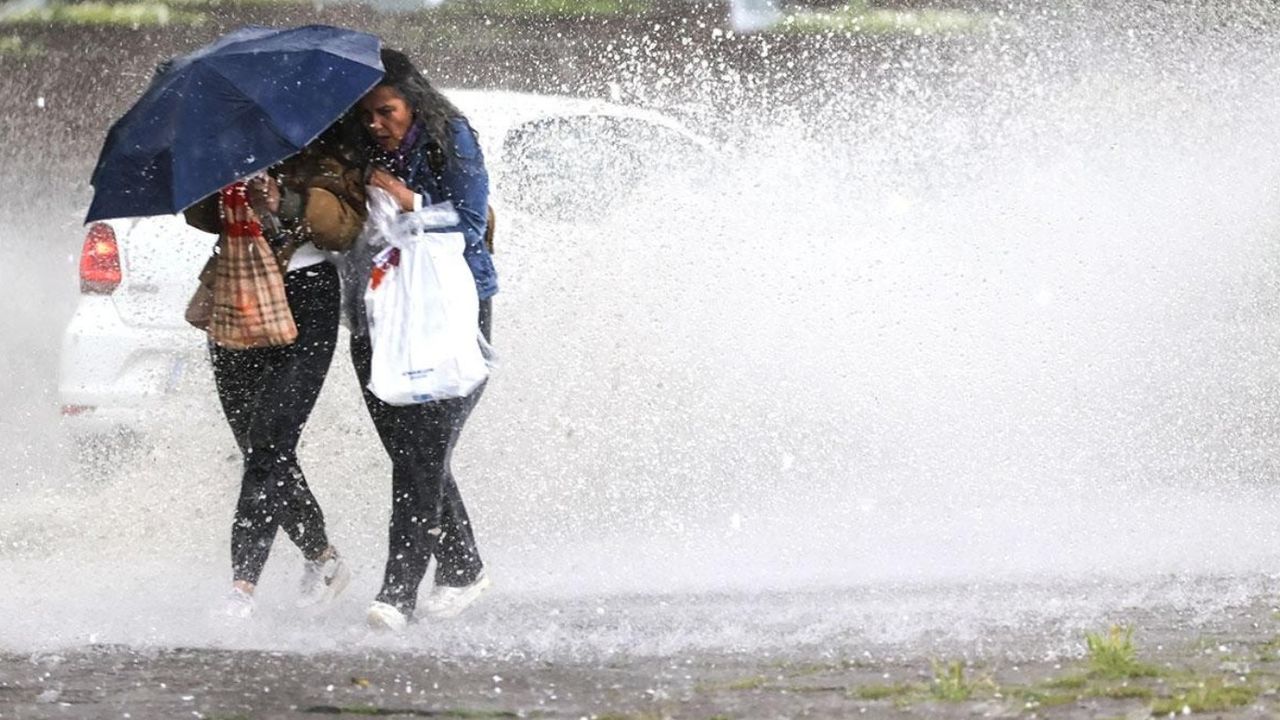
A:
x,y
234,107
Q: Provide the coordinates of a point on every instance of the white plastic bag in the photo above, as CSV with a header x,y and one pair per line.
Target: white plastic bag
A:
x,y
421,306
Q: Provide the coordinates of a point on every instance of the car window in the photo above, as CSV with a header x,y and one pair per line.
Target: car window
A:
x,y
571,167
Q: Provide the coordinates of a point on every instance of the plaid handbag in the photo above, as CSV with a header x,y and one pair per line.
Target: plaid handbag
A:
x,y
200,307
250,308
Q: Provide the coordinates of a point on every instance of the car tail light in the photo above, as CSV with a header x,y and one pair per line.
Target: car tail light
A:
x,y
73,410
100,261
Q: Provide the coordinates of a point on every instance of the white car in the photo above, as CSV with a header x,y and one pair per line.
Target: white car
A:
x,y
126,349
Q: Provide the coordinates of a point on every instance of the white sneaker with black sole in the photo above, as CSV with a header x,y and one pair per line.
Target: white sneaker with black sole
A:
x,y
445,601
382,616
322,581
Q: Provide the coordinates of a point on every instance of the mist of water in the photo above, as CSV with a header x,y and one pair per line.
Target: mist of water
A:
x,y
1005,315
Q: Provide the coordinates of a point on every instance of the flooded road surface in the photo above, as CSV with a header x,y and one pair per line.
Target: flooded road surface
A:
x,y
733,656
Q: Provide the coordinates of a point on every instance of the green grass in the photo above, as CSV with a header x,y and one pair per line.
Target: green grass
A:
x,y
15,46
794,670
882,692
1058,699
1076,687
1113,655
1068,682
1270,651
858,17
1213,695
754,682
800,689
950,683
1123,692
130,14
375,711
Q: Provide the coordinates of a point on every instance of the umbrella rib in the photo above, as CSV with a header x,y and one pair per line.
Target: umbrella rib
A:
x,y
275,130
325,51
173,159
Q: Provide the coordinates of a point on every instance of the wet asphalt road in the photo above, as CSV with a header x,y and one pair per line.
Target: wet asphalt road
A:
x,y
1196,657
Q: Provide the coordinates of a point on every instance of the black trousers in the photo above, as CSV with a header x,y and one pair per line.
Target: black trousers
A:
x,y
267,395
428,516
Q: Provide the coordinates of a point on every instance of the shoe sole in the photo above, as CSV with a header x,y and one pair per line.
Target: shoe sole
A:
x,y
466,601
385,621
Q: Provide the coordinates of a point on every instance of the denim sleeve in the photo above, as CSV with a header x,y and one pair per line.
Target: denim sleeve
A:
x,y
465,182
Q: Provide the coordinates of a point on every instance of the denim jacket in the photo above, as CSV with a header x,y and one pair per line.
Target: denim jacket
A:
x,y
463,181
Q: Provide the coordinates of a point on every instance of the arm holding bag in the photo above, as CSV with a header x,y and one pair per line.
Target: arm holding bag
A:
x,y
421,306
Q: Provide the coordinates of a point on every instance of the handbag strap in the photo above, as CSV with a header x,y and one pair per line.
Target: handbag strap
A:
x,y
239,220
238,217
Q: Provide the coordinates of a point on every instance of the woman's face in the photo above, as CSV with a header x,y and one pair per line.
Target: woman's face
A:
x,y
386,116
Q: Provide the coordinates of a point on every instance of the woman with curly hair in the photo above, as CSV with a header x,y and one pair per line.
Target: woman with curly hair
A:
x,y
423,152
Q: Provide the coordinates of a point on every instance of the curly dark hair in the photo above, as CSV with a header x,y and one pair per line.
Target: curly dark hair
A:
x,y
430,106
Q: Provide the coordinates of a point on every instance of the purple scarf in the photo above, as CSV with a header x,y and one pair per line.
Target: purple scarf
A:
x,y
401,156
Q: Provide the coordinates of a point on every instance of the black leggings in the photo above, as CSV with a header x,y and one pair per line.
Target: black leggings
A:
x,y
267,395
428,516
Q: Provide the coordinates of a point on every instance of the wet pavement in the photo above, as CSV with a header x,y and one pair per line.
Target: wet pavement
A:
x,y
1223,661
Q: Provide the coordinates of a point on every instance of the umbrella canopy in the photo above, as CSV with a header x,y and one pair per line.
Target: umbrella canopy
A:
x,y
234,107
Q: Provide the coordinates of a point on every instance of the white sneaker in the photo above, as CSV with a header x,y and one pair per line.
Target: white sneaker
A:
x,y
382,616
445,602
238,604
323,580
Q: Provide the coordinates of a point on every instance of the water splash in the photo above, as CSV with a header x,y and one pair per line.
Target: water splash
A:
x,y
993,309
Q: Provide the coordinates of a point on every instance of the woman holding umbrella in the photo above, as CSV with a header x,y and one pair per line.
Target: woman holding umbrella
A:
x,y
423,152
310,205
247,101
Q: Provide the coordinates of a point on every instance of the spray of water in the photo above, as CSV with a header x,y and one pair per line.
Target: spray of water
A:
x,y
996,312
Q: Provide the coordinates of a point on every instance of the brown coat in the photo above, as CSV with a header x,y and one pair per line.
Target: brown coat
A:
x,y
333,203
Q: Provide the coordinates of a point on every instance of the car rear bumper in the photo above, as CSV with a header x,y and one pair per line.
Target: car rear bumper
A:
x,y
114,376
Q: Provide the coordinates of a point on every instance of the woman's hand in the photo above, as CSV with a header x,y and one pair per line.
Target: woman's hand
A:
x,y
264,195
380,178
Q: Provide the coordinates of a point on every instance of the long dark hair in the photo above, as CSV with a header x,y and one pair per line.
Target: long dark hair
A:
x,y
430,107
